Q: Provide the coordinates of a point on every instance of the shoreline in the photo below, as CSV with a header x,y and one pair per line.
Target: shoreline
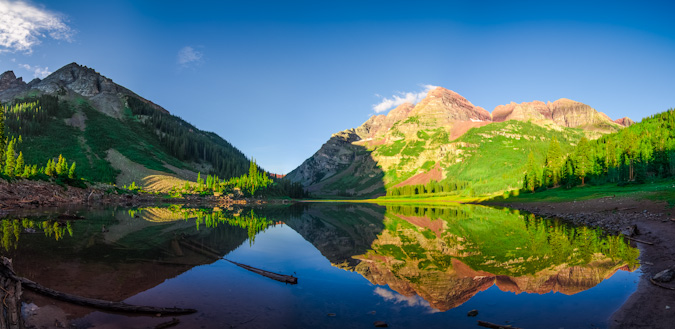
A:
x,y
649,306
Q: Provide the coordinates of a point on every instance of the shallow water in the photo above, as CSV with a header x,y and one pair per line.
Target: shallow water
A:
x,y
409,266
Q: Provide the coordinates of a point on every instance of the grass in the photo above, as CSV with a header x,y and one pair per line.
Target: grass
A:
x,y
661,190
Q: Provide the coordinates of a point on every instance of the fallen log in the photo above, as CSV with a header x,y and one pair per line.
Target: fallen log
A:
x,y
275,276
168,324
7,272
494,326
660,285
641,241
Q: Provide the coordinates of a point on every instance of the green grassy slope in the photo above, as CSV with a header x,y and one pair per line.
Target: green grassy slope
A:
x,y
87,143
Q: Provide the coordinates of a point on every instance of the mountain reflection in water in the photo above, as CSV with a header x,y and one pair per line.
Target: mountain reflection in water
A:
x,y
434,257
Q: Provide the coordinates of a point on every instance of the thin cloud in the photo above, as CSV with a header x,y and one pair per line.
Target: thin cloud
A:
x,y
188,55
410,301
23,26
38,72
396,100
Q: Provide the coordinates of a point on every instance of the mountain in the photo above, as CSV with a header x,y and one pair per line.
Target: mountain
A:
x,y
113,134
625,121
563,112
446,138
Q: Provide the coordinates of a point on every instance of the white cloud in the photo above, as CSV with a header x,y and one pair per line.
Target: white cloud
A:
x,y
22,25
38,72
408,300
188,55
396,100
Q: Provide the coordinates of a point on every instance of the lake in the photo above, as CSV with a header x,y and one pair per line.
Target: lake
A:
x,y
406,265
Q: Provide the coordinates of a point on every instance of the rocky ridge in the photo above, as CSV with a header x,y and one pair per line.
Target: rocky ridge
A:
x,y
73,80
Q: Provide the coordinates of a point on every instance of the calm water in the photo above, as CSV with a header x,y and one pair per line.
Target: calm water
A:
x,y
409,266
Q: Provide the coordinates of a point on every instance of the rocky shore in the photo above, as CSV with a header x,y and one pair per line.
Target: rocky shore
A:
x,y
28,194
650,306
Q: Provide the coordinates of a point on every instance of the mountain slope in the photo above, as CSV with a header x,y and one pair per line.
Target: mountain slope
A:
x,y
106,129
446,138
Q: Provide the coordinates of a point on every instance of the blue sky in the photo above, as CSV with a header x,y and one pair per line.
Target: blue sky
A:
x,y
276,79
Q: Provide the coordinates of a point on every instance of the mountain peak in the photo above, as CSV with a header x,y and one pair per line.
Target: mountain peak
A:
x,y
9,81
625,121
443,106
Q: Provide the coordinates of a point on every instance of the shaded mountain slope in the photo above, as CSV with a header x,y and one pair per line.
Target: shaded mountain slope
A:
x,y
85,116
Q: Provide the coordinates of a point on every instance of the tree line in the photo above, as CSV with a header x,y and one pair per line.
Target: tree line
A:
x,y
256,182
12,163
187,143
642,152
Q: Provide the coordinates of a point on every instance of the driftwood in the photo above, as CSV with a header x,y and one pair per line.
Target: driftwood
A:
x,y
168,324
8,273
641,241
10,306
494,326
275,276
660,285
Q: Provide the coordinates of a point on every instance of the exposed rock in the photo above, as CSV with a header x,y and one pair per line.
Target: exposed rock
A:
x,y
74,79
563,112
625,121
336,154
445,106
10,85
666,275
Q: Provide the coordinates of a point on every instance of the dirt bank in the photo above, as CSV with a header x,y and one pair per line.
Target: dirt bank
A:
x,y
650,306
28,194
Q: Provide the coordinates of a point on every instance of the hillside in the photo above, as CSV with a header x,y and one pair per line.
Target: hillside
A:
x,y
113,134
445,138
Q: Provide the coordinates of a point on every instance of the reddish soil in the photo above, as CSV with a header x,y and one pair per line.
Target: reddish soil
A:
x,y
460,127
435,173
650,306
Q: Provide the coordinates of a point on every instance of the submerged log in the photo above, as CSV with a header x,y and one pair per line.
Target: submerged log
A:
x,y
168,324
640,241
275,276
8,273
494,326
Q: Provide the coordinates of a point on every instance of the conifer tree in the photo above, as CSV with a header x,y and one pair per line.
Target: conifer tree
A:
x,y
26,172
2,135
71,172
18,169
49,169
10,161
61,166
34,170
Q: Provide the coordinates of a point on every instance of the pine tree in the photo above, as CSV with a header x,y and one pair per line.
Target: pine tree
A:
x,y
2,136
34,170
10,161
49,171
18,169
61,167
71,172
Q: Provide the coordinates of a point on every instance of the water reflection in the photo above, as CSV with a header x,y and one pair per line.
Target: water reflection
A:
x,y
13,228
447,254
437,258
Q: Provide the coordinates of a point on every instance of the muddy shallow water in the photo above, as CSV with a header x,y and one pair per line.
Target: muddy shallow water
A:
x,y
409,266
